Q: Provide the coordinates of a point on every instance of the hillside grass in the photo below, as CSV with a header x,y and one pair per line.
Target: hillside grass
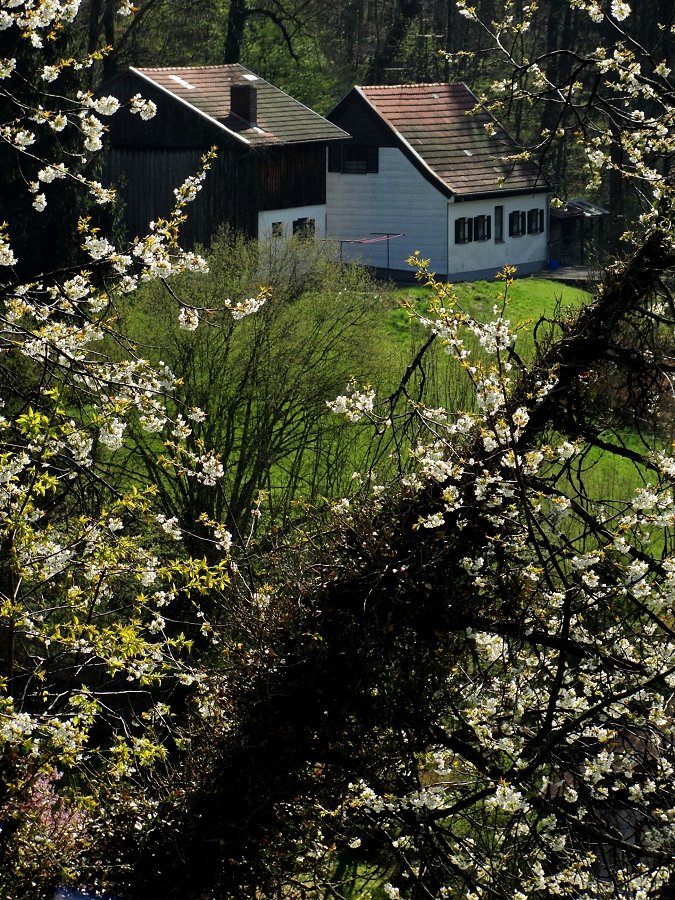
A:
x,y
377,352
528,301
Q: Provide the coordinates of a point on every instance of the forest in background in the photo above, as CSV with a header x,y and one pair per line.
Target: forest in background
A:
x,y
316,51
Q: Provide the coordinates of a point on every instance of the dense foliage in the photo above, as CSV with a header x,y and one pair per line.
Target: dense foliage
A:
x,y
263,381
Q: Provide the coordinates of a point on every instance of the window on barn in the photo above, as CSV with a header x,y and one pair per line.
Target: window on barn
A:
x,y
482,228
499,224
353,159
277,229
535,221
463,230
304,227
517,223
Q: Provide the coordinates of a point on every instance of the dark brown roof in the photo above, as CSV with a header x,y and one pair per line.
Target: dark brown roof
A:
x,y
469,154
280,118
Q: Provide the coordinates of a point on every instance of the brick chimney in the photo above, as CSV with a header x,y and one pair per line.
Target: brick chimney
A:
x,y
244,103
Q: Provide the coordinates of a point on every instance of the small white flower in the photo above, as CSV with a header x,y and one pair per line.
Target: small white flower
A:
x,y
212,470
196,414
148,577
23,138
355,406
434,521
7,67
58,122
50,73
620,10
51,172
223,537
169,526
244,307
188,319
146,109
7,257
112,434
98,248
106,106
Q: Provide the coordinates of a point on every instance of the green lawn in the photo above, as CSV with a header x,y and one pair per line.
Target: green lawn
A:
x,y
529,299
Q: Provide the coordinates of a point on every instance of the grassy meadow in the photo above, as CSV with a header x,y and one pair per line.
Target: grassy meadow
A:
x,y
528,301
531,302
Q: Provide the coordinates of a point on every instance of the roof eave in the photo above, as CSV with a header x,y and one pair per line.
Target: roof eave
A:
x,y
280,142
319,140
501,192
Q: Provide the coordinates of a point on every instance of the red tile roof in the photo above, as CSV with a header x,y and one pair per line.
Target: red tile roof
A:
x,y
433,121
280,118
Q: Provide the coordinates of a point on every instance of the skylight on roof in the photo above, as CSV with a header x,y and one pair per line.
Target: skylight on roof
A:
x,y
182,82
468,152
250,77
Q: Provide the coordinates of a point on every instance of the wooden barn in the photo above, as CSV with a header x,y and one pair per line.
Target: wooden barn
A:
x,y
423,173
269,177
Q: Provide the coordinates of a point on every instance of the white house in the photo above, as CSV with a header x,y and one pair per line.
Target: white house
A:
x,y
421,172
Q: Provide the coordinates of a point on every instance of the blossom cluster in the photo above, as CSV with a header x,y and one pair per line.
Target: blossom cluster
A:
x,y
354,405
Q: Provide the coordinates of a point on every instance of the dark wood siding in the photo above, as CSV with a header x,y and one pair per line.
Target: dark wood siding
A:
x,y
146,182
174,126
291,176
147,160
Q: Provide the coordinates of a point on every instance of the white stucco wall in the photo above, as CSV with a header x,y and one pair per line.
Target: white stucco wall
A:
x,y
267,217
398,199
528,252
395,199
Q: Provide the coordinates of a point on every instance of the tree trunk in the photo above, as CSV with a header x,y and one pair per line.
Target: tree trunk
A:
x,y
234,39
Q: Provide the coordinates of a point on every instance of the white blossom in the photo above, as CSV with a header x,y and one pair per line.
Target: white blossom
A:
x,y
355,405
211,471
7,66
146,109
244,308
620,10
223,538
105,106
51,172
169,526
112,434
7,257
188,318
